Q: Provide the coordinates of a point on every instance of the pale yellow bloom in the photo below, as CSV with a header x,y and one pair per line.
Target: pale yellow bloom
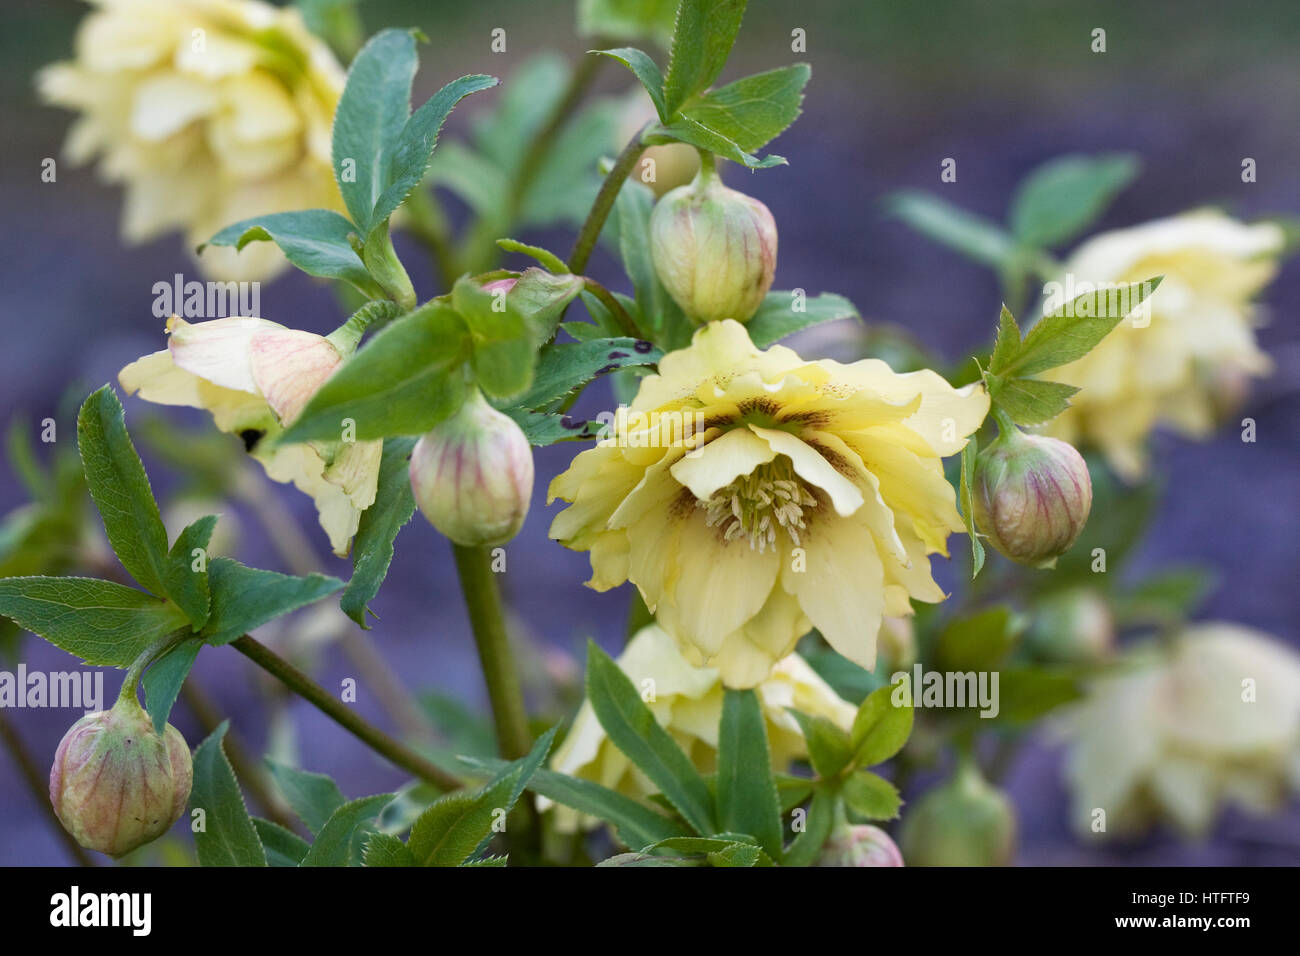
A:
x,y
1198,351
1214,719
794,494
687,702
255,377
207,112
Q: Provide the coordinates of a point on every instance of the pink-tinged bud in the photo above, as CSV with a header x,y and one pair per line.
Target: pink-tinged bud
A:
x,y
500,285
473,475
714,249
1032,495
116,784
964,822
860,845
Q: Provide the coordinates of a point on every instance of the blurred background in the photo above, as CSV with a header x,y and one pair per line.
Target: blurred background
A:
x,y
1191,88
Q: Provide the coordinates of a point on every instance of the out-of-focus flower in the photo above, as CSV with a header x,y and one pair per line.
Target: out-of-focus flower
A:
x,y
687,702
1190,363
714,249
207,112
964,822
1074,626
662,168
1212,720
116,784
860,845
255,377
750,495
472,475
1031,497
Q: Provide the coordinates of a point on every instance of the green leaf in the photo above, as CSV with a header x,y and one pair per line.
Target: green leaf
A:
x,y
627,19
979,642
244,598
684,129
703,36
1030,401
563,368
973,236
383,849
646,71
405,381
372,549
968,453
546,428
283,847
340,839
548,259
451,830
632,728
747,797
1071,331
784,313
163,680
542,298
754,111
1060,198
642,859
314,240
519,773
871,796
817,827
504,339
719,851
1027,694
828,745
313,797
1008,341
414,146
880,728
1165,597
101,622
228,837
792,791
369,120
187,587
121,490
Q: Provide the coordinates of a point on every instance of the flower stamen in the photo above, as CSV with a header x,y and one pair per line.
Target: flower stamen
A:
x,y
759,505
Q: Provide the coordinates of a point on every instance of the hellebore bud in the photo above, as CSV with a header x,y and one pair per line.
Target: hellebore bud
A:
x,y
964,822
859,845
1075,626
1032,495
116,784
714,249
472,475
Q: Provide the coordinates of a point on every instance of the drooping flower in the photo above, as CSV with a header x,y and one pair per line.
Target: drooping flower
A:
x,y
207,112
751,495
1191,362
687,702
1213,719
255,377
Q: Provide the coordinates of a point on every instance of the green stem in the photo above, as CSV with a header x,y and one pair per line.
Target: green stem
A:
x,y
1005,425
397,752
600,209
483,600
615,308
140,664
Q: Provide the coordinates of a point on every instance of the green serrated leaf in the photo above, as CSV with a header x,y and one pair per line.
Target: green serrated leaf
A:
x,y
684,129
973,236
314,240
1008,341
405,381
519,773
703,36
450,831
880,728
542,298
283,847
747,795
120,487
228,837
563,368
186,586
968,454
1030,401
628,19
632,728
101,622
784,313
340,839
372,549
754,111
244,598
828,745
646,71
817,827
871,796
383,849
1059,199
313,797
163,680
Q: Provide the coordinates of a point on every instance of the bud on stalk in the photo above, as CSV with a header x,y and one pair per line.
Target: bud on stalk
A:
x,y
964,822
714,249
1032,495
472,475
116,784
859,845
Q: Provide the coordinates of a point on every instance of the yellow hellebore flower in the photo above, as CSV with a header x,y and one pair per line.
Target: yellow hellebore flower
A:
x,y
1190,365
1215,719
687,702
751,495
207,112
255,377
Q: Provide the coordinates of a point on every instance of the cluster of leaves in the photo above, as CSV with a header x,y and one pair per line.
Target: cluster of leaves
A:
x,y
184,601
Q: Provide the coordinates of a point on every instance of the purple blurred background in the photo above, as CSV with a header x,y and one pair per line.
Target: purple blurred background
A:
x,y
1191,88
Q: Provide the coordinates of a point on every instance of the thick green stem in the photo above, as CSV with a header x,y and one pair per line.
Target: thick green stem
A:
x,y
483,600
600,209
397,752
615,308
